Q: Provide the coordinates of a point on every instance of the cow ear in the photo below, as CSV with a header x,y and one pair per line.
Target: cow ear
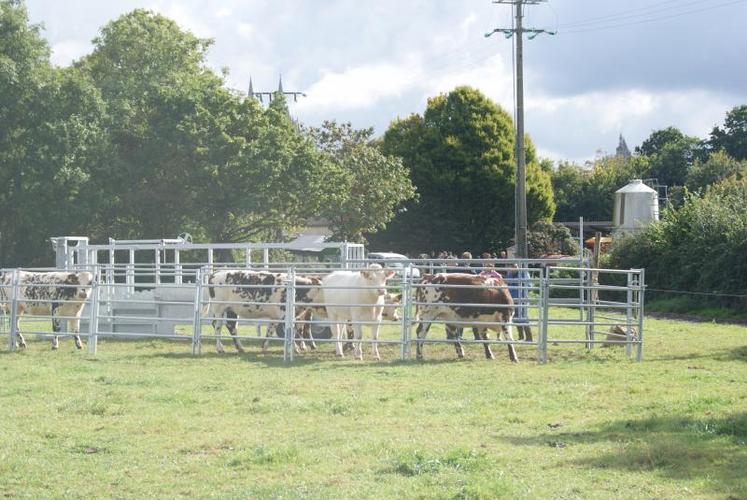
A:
x,y
369,275
389,274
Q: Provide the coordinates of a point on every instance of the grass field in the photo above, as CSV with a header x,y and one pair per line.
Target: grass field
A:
x,y
144,419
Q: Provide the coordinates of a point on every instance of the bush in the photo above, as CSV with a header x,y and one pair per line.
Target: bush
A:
x,y
700,246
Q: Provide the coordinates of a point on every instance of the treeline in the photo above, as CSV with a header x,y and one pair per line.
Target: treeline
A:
x,y
140,139
698,250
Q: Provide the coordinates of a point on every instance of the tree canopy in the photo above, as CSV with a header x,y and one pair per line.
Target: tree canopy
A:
x,y
460,153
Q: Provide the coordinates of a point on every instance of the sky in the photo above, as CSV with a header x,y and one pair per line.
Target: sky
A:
x,y
612,68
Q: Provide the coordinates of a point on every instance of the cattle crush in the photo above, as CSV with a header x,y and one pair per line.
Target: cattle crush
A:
x,y
161,289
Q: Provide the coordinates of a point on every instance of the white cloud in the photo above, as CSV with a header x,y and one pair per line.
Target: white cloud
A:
x,y
223,12
360,87
67,51
185,18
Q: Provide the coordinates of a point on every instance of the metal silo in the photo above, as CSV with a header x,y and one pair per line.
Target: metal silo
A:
x,y
636,205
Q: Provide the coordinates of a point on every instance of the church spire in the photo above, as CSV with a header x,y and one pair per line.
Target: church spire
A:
x,y
622,148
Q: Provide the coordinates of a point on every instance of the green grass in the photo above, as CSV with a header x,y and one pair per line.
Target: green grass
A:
x,y
700,307
145,418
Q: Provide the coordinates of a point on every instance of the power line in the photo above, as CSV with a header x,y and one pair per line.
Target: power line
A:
x,y
651,9
653,19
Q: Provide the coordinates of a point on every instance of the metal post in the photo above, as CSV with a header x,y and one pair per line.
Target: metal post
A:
x,y
93,316
266,257
248,258
629,315
158,266
130,274
290,312
13,342
642,287
406,290
197,322
177,267
545,314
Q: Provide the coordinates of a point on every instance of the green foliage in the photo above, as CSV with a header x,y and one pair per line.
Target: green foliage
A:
x,y
370,185
670,154
732,138
546,238
697,247
590,193
717,167
141,139
461,156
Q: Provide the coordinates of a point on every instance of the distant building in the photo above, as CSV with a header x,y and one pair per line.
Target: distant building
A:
x,y
622,148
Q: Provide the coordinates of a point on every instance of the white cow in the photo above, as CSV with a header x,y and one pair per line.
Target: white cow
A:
x,y
61,295
356,296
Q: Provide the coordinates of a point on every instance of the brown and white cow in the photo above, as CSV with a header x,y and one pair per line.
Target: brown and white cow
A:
x,y
61,295
235,293
356,297
458,299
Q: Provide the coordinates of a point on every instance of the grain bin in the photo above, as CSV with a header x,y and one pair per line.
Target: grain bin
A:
x,y
636,205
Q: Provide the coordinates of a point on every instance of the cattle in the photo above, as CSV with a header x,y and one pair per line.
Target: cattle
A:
x,y
235,293
61,295
458,299
355,297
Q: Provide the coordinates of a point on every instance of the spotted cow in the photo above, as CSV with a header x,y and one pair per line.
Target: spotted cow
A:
x,y
458,299
61,295
248,294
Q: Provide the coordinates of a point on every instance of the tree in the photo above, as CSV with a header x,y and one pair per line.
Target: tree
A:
x,y
670,154
187,154
371,185
590,193
732,138
547,238
51,129
461,156
718,166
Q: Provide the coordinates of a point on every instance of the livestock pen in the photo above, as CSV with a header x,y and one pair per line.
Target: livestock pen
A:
x,y
168,300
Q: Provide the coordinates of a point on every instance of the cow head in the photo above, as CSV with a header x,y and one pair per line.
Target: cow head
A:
x,y
376,274
391,302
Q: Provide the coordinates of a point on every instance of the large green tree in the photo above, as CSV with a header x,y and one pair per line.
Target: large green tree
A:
x,y
186,153
670,155
732,137
461,156
50,136
370,187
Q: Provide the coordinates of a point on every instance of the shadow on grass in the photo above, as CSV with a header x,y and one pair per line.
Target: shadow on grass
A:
x,y
679,448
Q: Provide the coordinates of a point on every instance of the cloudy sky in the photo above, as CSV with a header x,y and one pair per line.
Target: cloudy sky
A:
x,y
614,67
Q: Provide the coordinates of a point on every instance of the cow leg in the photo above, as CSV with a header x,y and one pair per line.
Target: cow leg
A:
x,y
526,332
507,336
453,332
422,331
337,328
55,328
375,346
21,341
268,333
306,330
233,330
358,341
74,326
217,327
482,334
350,336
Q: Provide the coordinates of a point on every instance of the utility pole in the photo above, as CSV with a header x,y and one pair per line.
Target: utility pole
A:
x,y
520,199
